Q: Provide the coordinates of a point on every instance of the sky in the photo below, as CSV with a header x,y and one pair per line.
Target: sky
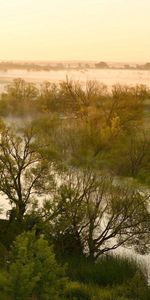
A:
x,y
101,30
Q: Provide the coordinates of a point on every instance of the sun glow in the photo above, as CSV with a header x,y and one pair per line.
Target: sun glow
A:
x,y
112,30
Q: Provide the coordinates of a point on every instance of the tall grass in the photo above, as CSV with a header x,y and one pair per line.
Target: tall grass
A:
x,y
107,271
110,278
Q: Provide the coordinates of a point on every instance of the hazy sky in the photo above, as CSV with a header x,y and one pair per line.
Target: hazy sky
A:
x,y
111,30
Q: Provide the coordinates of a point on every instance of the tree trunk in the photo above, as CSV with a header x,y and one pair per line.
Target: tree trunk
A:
x,y
21,208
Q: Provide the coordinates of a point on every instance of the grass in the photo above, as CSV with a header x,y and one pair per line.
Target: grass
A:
x,y
111,278
107,271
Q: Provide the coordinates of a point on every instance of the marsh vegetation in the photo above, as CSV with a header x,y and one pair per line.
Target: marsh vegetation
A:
x,y
75,168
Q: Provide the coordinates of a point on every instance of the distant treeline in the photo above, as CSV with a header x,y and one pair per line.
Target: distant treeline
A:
x,y
32,66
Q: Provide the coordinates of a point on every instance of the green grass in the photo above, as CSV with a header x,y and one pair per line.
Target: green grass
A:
x,y
111,278
80,291
107,271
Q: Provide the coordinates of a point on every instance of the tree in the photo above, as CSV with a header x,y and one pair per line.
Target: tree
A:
x,y
102,214
33,272
99,118
48,100
19,98
102,65
23,171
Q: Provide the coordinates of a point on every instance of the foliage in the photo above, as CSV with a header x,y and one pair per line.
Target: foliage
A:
x,y
77,172
77,291
33,271
19,98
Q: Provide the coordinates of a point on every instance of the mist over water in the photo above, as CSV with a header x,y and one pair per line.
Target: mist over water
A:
x,y
108,77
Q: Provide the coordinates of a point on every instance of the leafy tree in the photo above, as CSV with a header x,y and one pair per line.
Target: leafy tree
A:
x,y
99,119
102,65
49,98
19,98
128,155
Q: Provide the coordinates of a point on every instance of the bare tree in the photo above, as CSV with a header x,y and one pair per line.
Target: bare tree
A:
x,y
101,213
138,152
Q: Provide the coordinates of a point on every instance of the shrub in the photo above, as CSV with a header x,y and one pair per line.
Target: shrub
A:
x,y
33,270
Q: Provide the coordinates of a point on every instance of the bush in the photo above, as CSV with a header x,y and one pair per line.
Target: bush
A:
x,y
33,271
